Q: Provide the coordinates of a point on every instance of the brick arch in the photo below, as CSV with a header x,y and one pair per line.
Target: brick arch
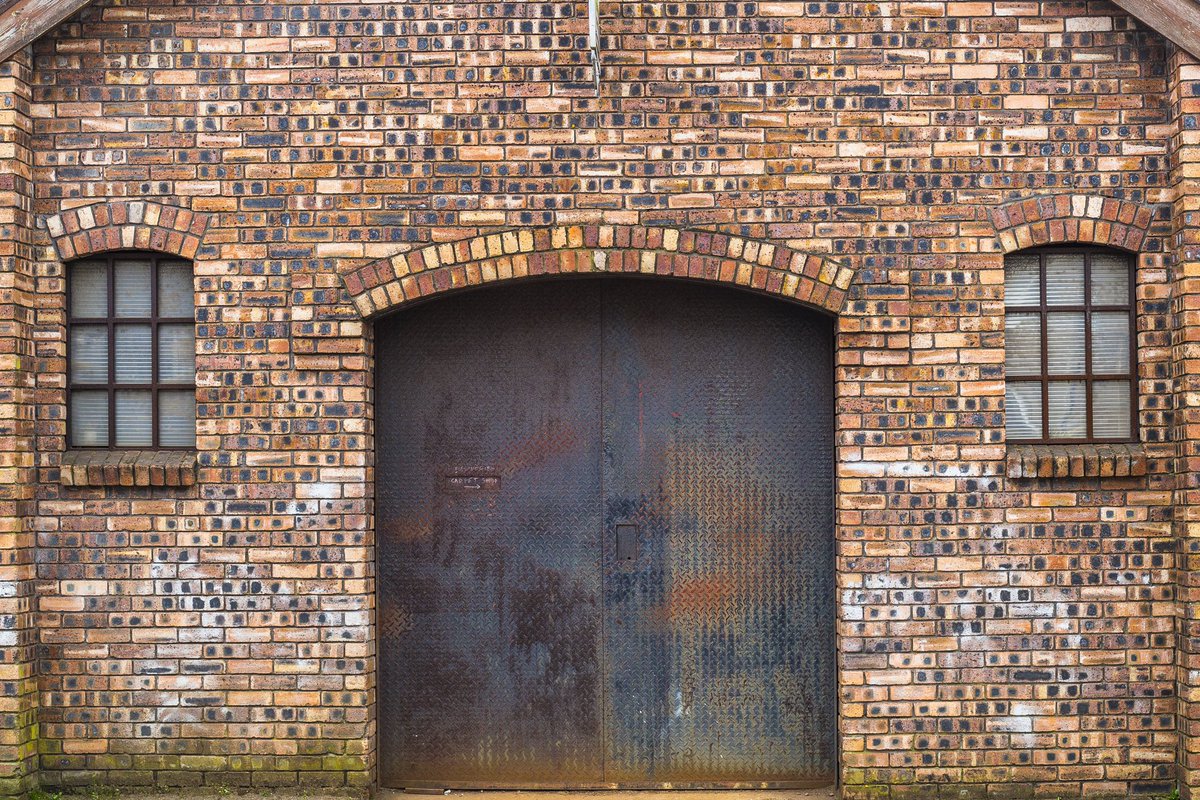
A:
x,y
1077,218
126,225
767,267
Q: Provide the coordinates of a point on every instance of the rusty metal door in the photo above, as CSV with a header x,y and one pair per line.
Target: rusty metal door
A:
x,y
488,521
718,427
604,514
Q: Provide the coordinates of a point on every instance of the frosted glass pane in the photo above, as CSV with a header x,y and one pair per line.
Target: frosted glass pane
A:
x,y
1068,410
133,290
89,419
176,297
135,419
1110,343
89,354
1023,344
1065,346
1110,279
177,418
1064,279
1023,410
133,354
1021,281
1110,410
177,353
89,289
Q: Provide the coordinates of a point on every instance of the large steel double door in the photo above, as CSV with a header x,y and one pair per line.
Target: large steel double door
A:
x,y
605,534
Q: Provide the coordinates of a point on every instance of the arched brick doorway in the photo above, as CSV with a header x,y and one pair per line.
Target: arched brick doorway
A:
x,y
605,533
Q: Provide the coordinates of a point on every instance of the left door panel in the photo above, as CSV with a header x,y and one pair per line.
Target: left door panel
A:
x,y
490,579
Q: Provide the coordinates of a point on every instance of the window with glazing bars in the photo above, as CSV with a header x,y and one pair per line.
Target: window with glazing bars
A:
x,y
131,352
1069,346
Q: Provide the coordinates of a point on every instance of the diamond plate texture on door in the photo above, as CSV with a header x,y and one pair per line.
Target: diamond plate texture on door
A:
x,y
719,638
520,432
488,524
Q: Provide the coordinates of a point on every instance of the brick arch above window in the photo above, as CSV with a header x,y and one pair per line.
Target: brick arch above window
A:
x,y
1072,218
126,225
767,267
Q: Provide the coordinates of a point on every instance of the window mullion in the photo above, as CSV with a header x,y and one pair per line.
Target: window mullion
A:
x,y
154,352
1045,347
1087,344
1133,363
112,352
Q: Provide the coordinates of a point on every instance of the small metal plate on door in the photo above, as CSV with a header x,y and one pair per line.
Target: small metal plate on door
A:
x,y
477,483
627,544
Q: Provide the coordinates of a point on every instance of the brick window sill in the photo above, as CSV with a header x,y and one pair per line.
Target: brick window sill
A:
x,y
128,468
1075,460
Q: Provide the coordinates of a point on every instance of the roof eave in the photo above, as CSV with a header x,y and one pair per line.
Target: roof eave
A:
x,y
1177,20
26,20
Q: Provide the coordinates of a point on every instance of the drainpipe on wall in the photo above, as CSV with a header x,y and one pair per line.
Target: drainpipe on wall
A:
x,y
593,7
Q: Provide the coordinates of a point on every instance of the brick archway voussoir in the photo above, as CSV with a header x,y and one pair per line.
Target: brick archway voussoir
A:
x,y
1071,218
126,225
770,268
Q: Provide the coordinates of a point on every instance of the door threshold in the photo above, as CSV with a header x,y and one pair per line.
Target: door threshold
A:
x,y
823,793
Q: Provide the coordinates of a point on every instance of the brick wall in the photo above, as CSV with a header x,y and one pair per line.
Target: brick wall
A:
x,y
1003,635
1184,86
18,690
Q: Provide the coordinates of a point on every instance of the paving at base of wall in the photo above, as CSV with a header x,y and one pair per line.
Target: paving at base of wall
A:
x,y
631,794
459,794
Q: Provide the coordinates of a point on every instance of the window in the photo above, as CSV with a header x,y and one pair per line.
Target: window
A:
x,y
131,352
1069,346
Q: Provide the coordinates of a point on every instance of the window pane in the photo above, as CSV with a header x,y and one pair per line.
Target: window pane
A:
x,y
89,354
1110,343
1064,344
177,418
1110,410
133,354
175,292
132,279
177,353
135,419
1068,410
1023,344
1023,410
1064,279
89,289
1021,281
1110,279
89,419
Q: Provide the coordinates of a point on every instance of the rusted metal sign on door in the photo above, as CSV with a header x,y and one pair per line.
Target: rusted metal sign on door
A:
x,y
604,514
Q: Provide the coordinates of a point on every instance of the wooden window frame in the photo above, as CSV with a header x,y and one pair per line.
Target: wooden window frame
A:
x,y
1087,377
112,386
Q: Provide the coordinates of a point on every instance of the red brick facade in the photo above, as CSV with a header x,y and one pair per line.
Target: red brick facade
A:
x,y
1011,622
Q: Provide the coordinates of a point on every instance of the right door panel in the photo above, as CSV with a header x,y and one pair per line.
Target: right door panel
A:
x,y
719,619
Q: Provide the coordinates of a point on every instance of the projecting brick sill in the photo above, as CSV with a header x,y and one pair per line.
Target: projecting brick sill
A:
x,y
1075,460
128,468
